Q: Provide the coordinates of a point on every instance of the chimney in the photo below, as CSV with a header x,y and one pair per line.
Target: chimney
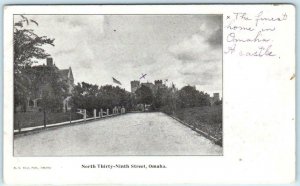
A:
x,y
49,61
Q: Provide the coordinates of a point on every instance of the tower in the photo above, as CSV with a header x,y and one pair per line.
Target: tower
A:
x,y
134,85
158,83
216,97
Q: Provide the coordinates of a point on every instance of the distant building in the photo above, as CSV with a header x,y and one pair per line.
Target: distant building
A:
x,y
149,85
134,85
46,85
158,84
67,76
215,98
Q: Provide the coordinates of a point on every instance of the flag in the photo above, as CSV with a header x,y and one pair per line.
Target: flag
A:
x,y
116,81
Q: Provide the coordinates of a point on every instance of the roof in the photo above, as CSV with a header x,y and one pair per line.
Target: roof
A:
x,y
41,67
64,73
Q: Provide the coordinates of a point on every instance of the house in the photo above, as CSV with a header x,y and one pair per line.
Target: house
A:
x,y
215,98
44,80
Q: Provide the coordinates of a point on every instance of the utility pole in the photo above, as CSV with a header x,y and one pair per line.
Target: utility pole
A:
x,y
70,116
44,117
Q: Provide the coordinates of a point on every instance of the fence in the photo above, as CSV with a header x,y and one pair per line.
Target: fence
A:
x,y
28,121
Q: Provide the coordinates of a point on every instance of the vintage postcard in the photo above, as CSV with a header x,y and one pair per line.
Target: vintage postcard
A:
x,y
136,94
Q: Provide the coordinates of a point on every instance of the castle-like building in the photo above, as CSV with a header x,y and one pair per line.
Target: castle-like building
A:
x,y
154,87
159,84
45,75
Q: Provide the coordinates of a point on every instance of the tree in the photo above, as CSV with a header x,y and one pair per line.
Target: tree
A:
x,y
54,90
203,99
188,96
158,98
27,48
84,96
28,45
144,95
218,102
90,97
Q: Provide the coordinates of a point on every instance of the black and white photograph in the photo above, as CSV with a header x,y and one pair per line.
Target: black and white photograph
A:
x,y
149,94
118,85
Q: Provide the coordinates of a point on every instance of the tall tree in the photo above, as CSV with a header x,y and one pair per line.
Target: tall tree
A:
x,y
188,96
27,44
90,97
27,49
144,95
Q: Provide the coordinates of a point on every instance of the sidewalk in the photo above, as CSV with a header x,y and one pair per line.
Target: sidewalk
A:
x,y
28,129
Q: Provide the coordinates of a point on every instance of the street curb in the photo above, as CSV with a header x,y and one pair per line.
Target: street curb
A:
x,y
206,135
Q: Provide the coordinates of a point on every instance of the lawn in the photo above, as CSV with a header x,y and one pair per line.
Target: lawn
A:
x,y
31,119
206,118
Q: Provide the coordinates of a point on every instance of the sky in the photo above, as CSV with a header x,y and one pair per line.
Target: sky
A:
x,y
184,49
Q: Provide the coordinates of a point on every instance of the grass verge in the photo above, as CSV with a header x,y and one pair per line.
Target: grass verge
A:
x,y
32,119
207,118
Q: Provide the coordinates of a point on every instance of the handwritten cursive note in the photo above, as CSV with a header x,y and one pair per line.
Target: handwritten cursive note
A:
x,y
252,35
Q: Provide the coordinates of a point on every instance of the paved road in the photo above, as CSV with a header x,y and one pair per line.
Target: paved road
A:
x,y
130,134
